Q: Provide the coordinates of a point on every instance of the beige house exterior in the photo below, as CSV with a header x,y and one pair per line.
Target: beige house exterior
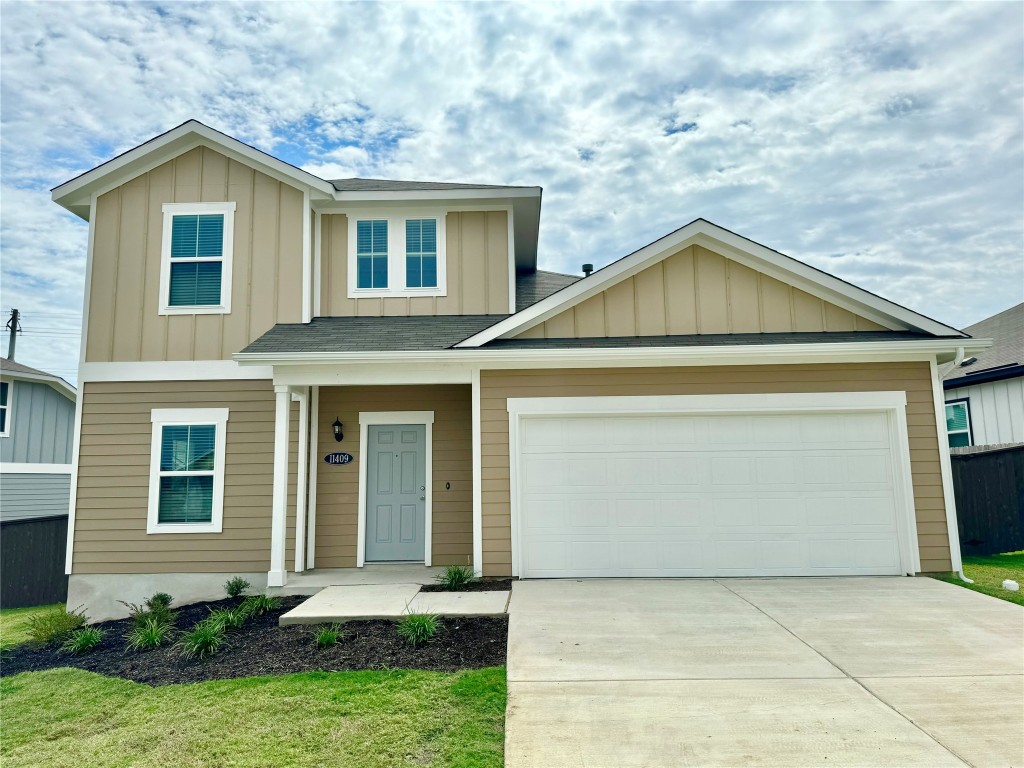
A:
x,y
704,406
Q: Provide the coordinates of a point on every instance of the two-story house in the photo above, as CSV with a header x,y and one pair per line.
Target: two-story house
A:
x,y
282,373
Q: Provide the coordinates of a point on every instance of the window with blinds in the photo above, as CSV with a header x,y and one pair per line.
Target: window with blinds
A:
x,y
421,253
197,260
958,423
372,253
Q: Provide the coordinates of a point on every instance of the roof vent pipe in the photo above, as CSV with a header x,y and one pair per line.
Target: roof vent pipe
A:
x,y
587,269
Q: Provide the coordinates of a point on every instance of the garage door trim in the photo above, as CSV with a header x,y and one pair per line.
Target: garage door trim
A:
x,y
892,404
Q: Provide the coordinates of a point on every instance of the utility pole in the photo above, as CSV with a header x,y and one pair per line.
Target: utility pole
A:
x,y
14,326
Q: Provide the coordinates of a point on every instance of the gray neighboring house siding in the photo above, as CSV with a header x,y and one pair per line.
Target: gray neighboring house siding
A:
x,y
42,425
42,422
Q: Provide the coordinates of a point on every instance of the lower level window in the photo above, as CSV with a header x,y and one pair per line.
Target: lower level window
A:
x,y
958,423
187,470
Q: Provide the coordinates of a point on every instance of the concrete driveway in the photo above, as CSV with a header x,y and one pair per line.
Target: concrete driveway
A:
x,y
763,672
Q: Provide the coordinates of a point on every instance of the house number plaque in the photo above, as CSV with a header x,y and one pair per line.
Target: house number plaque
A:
x,y
338,458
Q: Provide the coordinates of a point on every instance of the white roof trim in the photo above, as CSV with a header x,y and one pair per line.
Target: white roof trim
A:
x,y
74,194
54,381
747,252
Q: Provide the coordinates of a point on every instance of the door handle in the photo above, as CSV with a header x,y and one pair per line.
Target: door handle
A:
x,y
423,498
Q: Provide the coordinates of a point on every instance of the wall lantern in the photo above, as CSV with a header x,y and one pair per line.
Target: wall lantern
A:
x,y
337,430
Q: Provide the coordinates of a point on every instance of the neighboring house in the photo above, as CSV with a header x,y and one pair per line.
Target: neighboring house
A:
x,y
985,392
282,373
37,426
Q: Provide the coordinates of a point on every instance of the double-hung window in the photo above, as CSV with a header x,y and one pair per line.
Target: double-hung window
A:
x,y
186,484
397,254
5,408
195,276
958,423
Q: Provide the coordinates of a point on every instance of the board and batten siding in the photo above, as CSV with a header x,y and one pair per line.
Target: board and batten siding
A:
x,y
477,270
25,496
997,410
337,490
124,323
698,291
913,378
42,425
113,480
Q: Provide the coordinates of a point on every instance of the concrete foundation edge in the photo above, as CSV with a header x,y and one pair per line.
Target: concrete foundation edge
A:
x,y
100,594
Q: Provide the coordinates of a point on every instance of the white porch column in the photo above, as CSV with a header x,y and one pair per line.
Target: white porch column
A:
x,y
303,474
478,482
277,575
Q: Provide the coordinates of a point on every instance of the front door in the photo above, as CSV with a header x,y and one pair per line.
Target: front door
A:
x,y
396,484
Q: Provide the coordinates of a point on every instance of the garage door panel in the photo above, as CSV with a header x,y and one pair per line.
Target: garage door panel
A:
x,y
708,495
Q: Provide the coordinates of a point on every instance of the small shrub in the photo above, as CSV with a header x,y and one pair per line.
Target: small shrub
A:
x,y
418,628
456,577
152,634
257,605
228,618
83,640
159,600
155,608
204,639
329,635
54,625
235,587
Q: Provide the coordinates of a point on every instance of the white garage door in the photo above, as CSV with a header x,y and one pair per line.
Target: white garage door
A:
x,y
707,495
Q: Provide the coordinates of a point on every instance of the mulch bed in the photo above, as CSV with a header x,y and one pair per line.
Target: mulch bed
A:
x,y
261,647
483,585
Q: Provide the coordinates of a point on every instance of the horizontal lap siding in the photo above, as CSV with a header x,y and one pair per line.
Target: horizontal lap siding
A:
x,y
113,480
338,485
913,378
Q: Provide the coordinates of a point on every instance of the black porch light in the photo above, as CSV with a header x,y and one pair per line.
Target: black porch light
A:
x,y
337,430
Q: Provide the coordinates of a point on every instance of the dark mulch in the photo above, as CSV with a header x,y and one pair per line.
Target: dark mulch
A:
x,y
264,648
483,585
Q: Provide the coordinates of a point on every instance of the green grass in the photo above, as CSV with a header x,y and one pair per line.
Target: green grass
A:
x,y
988,574
14,623
69,717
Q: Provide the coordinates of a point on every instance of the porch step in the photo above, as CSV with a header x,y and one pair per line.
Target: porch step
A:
x,y
391,601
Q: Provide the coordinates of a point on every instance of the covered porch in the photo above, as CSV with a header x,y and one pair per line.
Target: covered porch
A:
x,y
376,475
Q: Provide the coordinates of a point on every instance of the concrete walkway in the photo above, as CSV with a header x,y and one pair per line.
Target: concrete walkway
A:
x,y
391,601
857,672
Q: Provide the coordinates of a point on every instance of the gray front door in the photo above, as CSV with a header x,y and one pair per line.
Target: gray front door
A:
x,y
396,480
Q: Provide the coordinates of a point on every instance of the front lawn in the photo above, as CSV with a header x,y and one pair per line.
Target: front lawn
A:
x,y
14,623
73,718
988,574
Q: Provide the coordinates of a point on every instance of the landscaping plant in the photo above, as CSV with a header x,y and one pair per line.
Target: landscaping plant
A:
x,y
228,618
204,639
418,628
329,635
456,577
257,605
54,625
156,608
236,586
151,634
83,640
159,600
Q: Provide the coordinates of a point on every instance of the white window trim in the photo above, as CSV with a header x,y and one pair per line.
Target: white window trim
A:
x,y
9,408
171,210
381,418
162,417
396,253
966,403
893,404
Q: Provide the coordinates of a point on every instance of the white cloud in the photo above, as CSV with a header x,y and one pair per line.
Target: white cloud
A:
x,y
880,142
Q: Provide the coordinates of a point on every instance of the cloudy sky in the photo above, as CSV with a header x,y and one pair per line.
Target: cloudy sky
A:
x,y
882,143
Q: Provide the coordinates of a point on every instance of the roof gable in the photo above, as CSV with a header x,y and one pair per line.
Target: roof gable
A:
x,y
849,307
11,369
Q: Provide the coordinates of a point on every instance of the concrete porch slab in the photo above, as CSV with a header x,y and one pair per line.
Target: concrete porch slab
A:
x,y
370,601
312,581
461,603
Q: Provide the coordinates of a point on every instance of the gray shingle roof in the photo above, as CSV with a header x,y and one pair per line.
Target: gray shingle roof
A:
x,y
1006,330
371,334
11,366
706,340
531,287
388,185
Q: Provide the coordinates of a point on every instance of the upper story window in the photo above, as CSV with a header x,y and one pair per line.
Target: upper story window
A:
x,y
5,408
397,254
958,423
186,483
196,255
